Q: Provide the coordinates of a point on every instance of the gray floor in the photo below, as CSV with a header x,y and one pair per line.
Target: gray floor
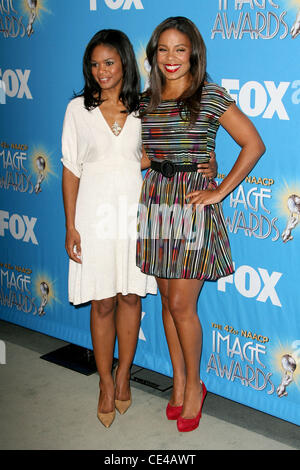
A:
x,y
46,406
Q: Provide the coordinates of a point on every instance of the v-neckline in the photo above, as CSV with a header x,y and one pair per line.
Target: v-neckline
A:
x,y
108,126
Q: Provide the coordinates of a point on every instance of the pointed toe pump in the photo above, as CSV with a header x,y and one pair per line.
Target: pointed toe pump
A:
x,y
105,418
121,405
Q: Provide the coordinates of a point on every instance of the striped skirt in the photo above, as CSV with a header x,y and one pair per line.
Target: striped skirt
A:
x,y
175,242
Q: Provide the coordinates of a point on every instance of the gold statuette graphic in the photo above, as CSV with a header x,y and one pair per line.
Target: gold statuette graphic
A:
x,y
41,165
293,204
44,288
32,4
289,365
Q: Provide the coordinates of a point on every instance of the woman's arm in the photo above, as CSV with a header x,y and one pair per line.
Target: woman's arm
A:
x,y
246,136
70,185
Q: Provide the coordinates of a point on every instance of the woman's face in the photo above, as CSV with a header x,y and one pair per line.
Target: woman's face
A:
x,y
106,67
173,54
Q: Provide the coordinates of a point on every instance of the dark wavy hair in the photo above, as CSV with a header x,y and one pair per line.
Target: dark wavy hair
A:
x,y
189,101
131,78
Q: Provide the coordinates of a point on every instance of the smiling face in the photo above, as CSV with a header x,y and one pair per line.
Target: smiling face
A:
x,y
173,55
106,67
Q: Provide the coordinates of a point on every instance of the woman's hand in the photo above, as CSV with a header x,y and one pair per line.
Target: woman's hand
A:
x,y
209,169
70,185
145,162
203,198
73,245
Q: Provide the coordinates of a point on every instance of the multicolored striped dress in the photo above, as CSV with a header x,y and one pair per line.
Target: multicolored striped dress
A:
x,y
173,241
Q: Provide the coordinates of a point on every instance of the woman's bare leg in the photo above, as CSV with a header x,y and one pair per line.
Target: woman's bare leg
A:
x,y
182,301
128,319
103,334
176,355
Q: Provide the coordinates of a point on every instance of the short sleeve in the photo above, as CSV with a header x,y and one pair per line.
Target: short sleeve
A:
x,y
70,151
226,101
219,100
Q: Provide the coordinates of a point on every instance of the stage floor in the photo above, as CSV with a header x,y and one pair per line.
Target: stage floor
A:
x,y
46,406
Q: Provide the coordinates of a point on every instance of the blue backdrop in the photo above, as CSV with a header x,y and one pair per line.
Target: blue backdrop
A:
x,y
250,319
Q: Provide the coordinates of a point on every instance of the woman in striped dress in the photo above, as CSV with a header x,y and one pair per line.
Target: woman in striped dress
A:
x,y
182,238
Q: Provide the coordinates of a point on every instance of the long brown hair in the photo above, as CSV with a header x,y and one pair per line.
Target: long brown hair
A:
x,y
189,101
131,78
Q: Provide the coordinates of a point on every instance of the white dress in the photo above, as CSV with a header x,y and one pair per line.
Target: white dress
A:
x,y
109,168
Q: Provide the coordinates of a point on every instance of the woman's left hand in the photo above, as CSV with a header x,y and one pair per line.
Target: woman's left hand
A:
x,y
203,198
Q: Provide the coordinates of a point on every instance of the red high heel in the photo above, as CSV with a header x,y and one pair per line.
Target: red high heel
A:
x,y
186,424
173,412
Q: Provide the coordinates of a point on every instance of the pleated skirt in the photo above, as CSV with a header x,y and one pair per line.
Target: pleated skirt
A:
x,y
175,242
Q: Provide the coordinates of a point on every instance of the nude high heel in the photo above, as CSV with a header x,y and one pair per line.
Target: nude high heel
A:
x,y
105,418
121,405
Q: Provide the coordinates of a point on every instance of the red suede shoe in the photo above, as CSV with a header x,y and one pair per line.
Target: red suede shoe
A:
x,y
173,412
186,424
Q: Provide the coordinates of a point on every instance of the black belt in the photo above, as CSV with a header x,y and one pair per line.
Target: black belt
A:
x,y
168,169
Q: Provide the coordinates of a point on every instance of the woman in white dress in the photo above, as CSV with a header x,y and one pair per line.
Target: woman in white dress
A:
x,y
102,158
